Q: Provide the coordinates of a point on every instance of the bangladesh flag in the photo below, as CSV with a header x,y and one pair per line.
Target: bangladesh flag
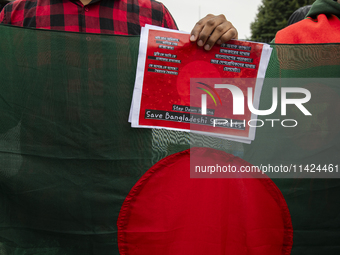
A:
x,y
75,178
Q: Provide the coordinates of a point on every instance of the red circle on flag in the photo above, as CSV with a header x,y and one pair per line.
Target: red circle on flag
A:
x,y
167,212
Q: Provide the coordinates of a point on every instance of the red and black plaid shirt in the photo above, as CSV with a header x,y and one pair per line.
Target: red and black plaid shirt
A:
x,y
120,17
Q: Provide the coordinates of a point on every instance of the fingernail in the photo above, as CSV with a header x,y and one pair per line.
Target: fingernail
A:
x,y
207,47
219,42
200,43
192,38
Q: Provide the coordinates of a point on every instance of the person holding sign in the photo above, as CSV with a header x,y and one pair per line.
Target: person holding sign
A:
x,y
111,17
322,25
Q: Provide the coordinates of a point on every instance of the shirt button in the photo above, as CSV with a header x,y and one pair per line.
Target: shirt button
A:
x,y
86,9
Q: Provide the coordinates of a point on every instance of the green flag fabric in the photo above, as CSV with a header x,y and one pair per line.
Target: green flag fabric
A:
x,y
69,157
68,154
309,147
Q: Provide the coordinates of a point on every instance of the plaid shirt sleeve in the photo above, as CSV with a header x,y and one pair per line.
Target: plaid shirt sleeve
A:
x,y
168,20
121,17
2,17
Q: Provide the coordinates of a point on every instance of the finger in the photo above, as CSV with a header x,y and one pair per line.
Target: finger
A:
x,y
221,34
209,27
195,32
229,35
